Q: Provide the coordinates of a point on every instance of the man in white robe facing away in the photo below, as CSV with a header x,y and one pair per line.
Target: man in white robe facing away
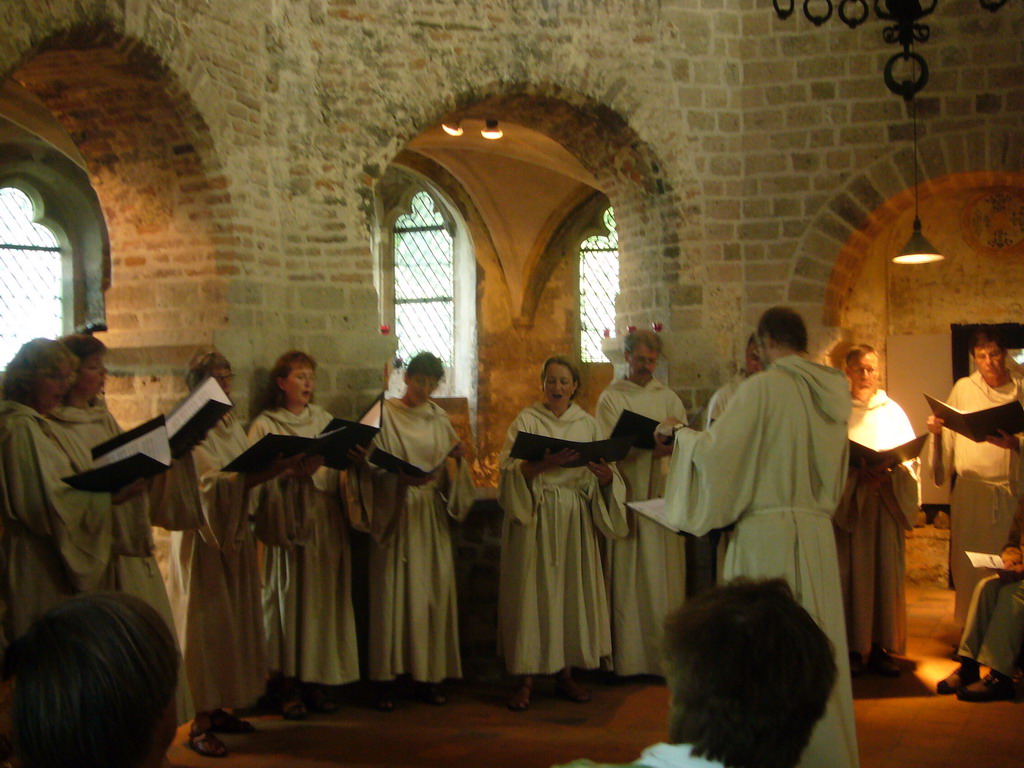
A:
x,y
775,465
646,570
986,490
878,505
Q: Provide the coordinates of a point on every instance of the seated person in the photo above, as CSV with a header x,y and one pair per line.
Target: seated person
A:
x,y
750,673
995,628
94,685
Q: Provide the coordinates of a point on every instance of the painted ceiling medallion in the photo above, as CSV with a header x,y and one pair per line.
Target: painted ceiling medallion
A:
x,y
993,221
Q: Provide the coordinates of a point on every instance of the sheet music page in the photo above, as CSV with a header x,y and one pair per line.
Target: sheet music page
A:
x,y
153,444
655,510
981,560
191,405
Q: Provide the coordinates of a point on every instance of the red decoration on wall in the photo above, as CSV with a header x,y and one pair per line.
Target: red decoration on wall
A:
x,y
630,328
607,333
657,327
385,330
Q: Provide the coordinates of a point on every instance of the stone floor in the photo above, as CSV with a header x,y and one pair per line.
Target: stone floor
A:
x,y
899,723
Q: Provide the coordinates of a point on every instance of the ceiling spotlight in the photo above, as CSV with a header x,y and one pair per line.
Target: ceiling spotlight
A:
x,y
491,130
452,129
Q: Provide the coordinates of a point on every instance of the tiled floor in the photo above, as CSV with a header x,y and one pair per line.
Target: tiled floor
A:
x,y
899,723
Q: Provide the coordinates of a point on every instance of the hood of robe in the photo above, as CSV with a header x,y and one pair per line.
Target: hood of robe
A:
x,y
72,415
827,387
625,385
877,401
289,421
572,413
427,410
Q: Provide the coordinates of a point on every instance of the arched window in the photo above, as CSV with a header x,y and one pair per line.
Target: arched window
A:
x,y
599,285
31,274
424,281
428,285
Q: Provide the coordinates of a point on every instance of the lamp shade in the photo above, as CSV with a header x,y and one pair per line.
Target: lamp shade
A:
x,y
918,250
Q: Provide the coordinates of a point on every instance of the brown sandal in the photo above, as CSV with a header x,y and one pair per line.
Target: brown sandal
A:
x,y
519,701
567,688
207,745
222,721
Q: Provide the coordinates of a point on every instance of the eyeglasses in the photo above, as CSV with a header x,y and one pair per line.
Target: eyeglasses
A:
x,y
224,378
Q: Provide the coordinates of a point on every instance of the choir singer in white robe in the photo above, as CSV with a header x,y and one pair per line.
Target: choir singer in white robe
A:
x,y
987,486
169,499
213,579
414,620
878,506
552,605
55,541
645,570
775,464
307,572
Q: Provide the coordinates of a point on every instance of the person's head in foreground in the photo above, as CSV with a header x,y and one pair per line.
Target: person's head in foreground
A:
x,y
781,331
94,685
750,673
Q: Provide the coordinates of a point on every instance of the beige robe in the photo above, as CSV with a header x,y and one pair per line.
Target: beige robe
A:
x,y
645,570
985,495
719,400
552,605
213,581
56,541
774,463
870,524
307,580
414,620
169,502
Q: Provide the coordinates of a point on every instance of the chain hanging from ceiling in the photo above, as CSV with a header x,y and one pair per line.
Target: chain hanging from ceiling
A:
x,y
905,30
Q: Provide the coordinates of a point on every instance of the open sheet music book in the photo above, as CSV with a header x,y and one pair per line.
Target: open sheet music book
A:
x,y
889,457
978,425
392,463
141,452
640,428
339,437
531,447
654,509
196,415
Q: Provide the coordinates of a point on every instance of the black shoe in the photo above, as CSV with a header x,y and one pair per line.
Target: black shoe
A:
x,y
964,675
881,663
856,665
992,688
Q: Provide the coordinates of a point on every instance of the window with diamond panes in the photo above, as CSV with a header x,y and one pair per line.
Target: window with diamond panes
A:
x,y
424,281
599,285
30,275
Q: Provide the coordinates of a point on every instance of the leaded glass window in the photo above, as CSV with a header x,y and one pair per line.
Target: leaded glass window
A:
x,y
424,281
599,285
30,275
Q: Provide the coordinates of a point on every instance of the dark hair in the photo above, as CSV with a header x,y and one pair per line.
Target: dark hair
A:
x,y
784,326
648,338
425,364
203,364
273,397
559,360
750,673
857,352
984,335
35,359
92,681
83,345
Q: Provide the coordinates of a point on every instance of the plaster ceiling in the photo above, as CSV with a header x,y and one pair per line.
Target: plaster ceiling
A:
x,y
523,186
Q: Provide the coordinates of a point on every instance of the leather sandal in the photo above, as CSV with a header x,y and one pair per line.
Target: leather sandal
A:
x,y
433,695
206,744
294,709
519,701
319,700
567,688
222,721
963,676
